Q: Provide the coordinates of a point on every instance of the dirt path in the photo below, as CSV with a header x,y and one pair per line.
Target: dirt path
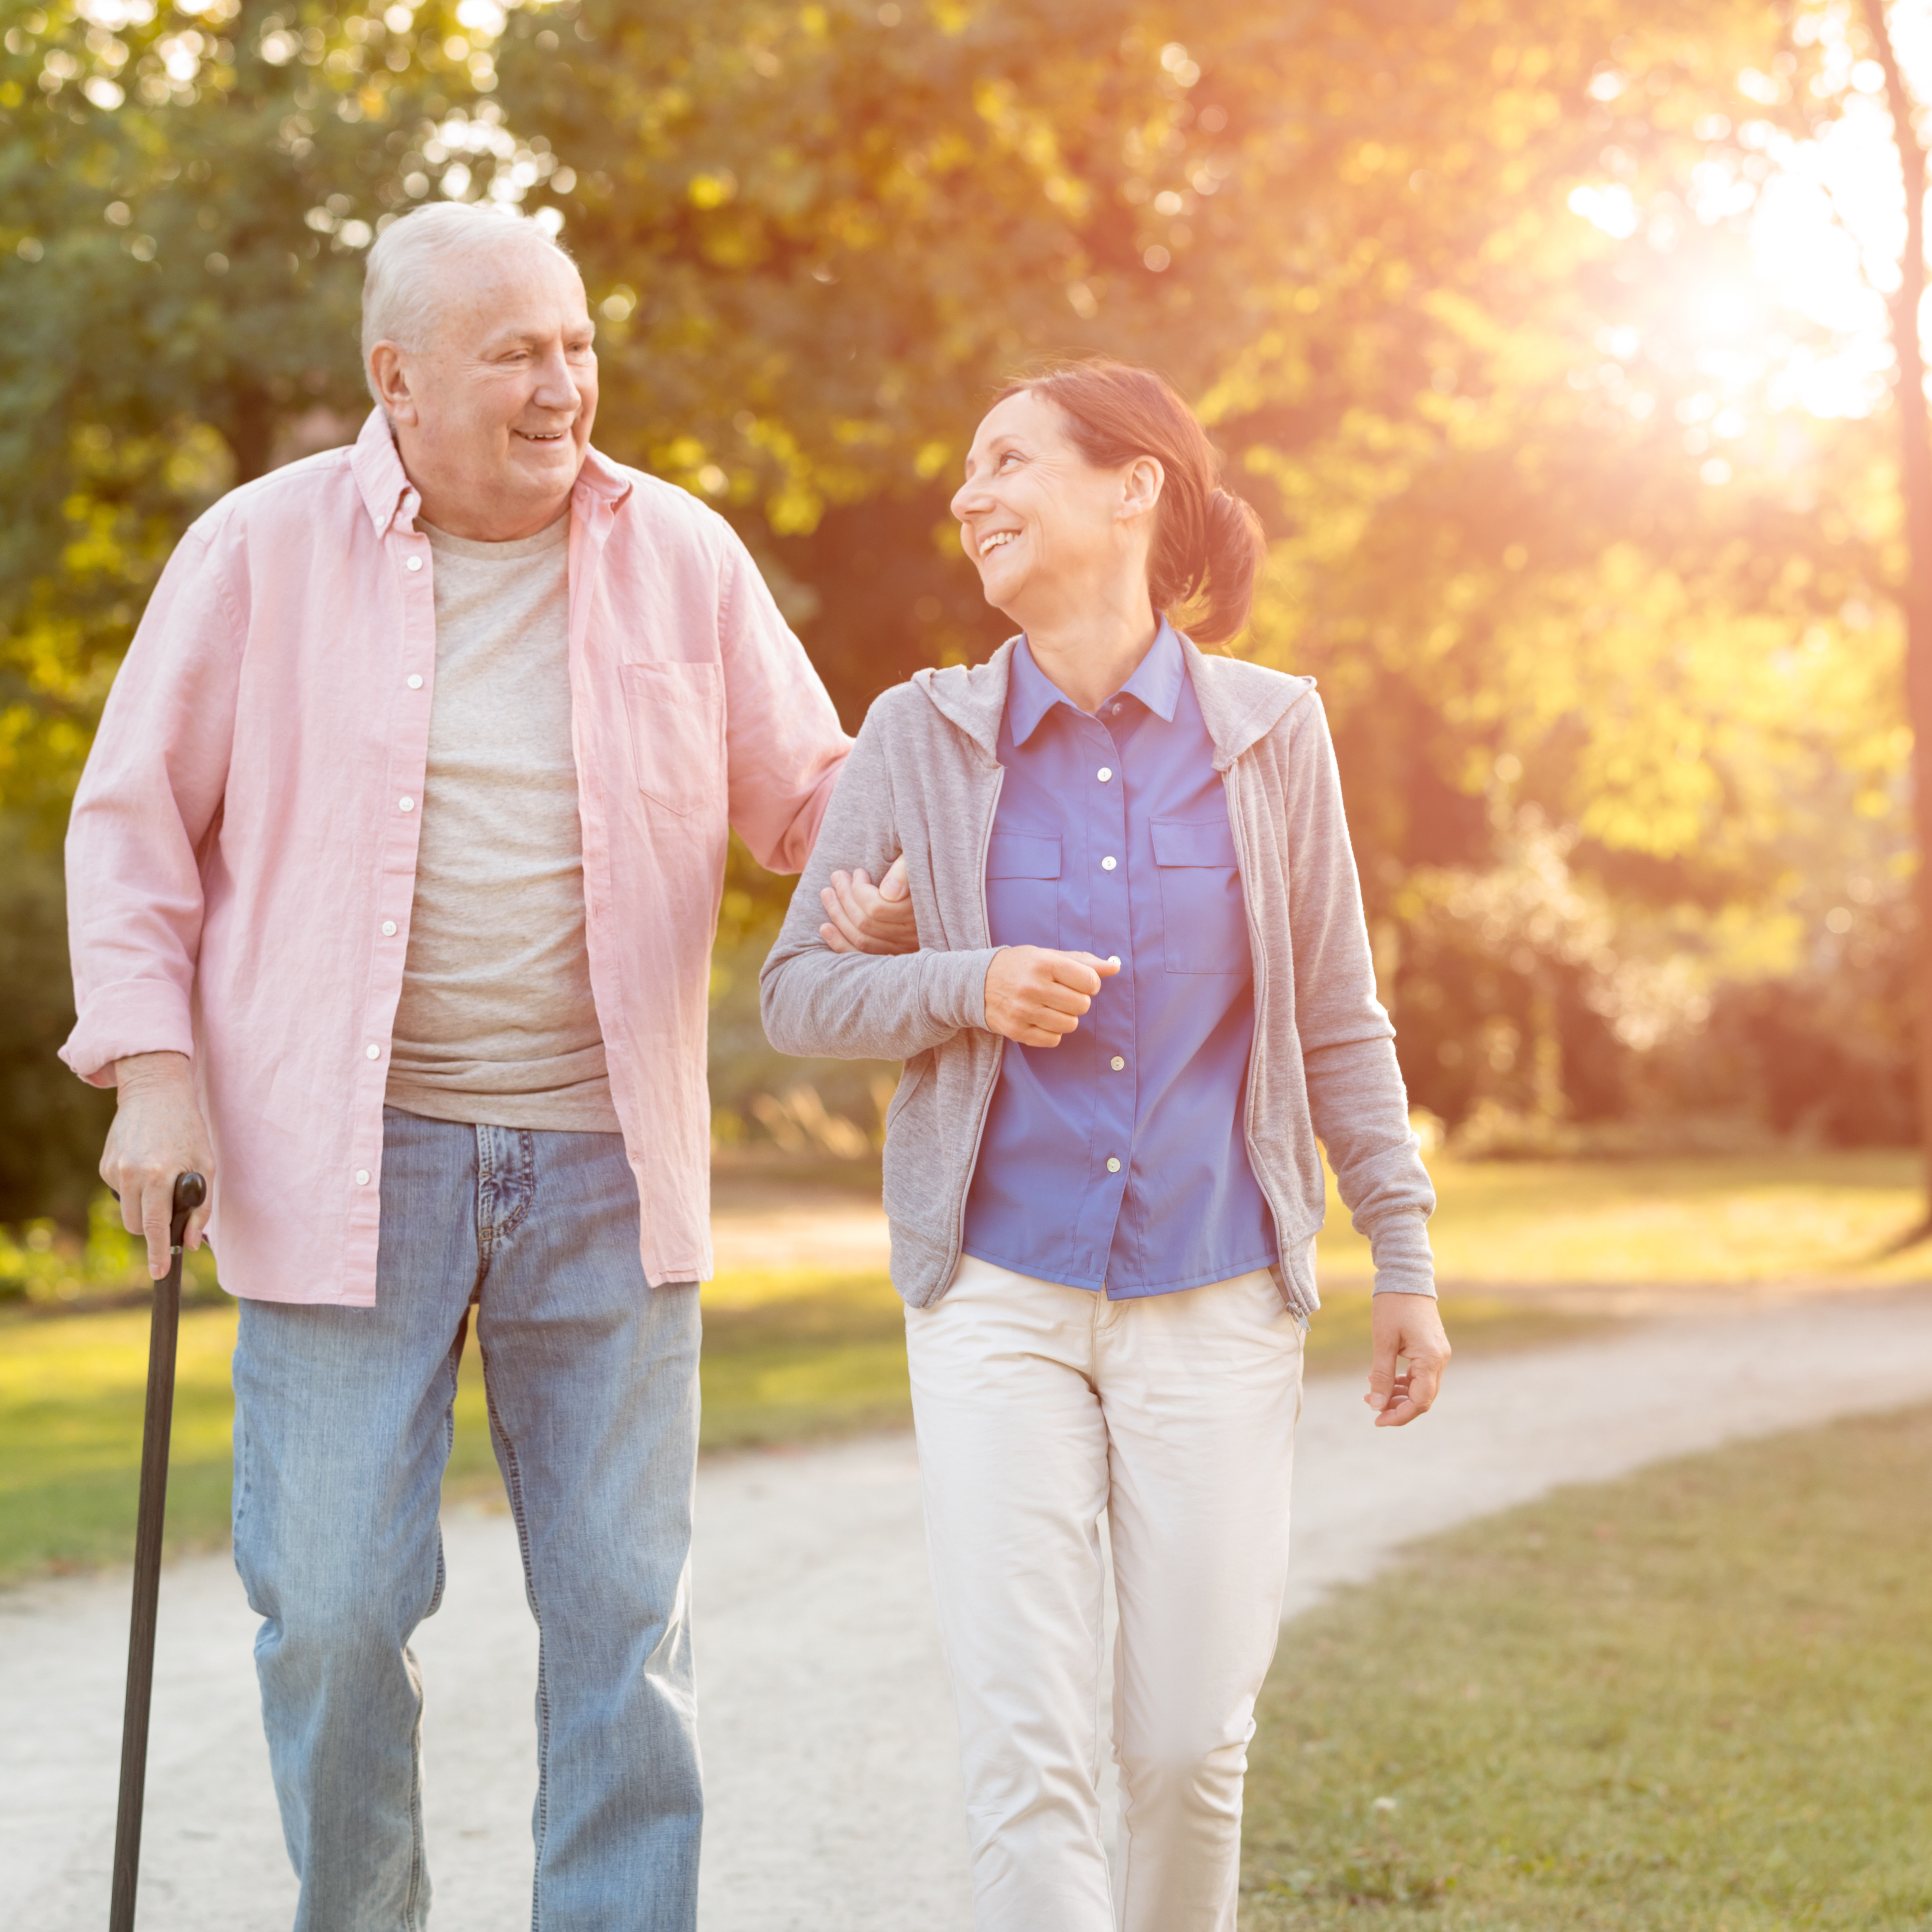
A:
x,y
827,1729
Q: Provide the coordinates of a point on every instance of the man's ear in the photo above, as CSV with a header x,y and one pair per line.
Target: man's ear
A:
x,y
1141,487
392,383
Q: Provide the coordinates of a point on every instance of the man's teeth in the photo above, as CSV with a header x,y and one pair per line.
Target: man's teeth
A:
x,y
997,539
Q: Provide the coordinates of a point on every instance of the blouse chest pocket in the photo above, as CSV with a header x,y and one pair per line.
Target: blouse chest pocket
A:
x,y
1023,889
1204,916
677,714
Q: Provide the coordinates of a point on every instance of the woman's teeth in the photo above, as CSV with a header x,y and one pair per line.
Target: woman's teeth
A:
x,y
998,538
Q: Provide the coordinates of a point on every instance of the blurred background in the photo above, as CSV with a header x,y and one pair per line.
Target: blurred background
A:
x,y
1549,342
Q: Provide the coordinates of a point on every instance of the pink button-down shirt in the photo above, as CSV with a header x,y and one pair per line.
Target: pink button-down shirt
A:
x,y
241,861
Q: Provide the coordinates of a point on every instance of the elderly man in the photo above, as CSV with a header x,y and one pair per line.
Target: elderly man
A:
x,y
393,878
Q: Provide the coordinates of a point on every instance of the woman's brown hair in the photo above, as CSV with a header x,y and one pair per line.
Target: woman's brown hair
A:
x,y
1206,542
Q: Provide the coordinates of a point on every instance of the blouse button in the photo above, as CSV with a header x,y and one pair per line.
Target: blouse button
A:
x,y
374,1051
1113,1165
415,680
1108,865
388,928
407,805
1105,773
414,563
1117,1063
361,1177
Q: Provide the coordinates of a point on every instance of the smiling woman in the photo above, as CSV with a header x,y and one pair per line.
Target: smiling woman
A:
x,y
1122,1038
1204,539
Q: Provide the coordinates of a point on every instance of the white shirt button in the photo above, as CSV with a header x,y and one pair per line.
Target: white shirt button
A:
x,y
388,928
415,680
1117,1064
361,1177
1113,1165
1108,865
1114,710
415,563
1105,773
407,804
374,1051
1113,959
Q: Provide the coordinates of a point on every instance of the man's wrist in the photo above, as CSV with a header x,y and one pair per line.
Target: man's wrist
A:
x,y
137,1072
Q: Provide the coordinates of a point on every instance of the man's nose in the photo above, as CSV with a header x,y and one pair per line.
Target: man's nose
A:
x,y
557,388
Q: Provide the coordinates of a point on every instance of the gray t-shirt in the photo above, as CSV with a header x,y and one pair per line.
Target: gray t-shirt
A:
x,y
495,1023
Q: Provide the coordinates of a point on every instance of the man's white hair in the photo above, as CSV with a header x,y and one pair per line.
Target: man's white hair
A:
x,y
408,270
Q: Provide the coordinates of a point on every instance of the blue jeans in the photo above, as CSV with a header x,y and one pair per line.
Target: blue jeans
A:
x,y
343,1426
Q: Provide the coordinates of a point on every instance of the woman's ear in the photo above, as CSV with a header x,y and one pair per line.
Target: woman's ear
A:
x,y
1141,487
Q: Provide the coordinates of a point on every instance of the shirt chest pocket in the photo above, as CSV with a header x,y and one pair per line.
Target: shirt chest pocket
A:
x,y
1023,889
1204,916
677,714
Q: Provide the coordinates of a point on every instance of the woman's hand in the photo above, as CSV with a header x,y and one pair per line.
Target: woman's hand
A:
x,y
1408,1327
1037,997
862,917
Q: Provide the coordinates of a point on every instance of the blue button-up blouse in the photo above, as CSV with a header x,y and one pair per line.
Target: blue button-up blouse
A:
x,y
1117,1159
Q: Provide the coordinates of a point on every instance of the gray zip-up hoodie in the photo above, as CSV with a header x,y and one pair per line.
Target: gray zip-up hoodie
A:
x,y
924,779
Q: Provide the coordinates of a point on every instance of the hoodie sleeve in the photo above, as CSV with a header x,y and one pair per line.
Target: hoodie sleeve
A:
x,y
858,1006
1356,1096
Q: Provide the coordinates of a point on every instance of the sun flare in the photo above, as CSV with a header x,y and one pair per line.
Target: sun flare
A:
x,y
1803,325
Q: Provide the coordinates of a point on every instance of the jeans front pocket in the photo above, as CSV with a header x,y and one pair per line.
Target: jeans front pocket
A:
x,y
1203,914
677,731
1023,889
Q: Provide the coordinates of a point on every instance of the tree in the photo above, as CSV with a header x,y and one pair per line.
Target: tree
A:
x,y
1609,731
185,196
1915,469
818,236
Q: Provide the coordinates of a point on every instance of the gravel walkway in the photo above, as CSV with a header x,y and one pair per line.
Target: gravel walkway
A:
x,y
828,1731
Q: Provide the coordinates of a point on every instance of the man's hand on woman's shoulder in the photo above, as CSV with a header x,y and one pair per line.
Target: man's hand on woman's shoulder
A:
x,y
862,917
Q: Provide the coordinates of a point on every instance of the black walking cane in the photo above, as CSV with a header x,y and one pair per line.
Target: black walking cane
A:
x,y
191,1190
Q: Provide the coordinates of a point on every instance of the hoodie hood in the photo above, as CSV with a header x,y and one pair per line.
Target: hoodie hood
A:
x,y
1240,703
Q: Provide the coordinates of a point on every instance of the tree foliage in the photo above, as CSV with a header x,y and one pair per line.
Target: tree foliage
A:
x,y
1612,681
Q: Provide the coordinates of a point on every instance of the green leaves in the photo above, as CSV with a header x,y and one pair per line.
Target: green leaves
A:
x,y
815,237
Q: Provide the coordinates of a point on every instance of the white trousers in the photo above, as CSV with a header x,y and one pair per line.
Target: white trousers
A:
x,y
1037,1408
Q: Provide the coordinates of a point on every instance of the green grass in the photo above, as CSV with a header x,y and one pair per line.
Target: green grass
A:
x,y
71,1393
1705,1220
1696,1700
788,1357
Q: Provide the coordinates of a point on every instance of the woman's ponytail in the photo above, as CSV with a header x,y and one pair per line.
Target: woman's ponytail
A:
x,y
1234,548
1207,543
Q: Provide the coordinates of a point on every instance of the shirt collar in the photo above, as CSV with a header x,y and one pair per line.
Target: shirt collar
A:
x,y
388,493
1155,682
